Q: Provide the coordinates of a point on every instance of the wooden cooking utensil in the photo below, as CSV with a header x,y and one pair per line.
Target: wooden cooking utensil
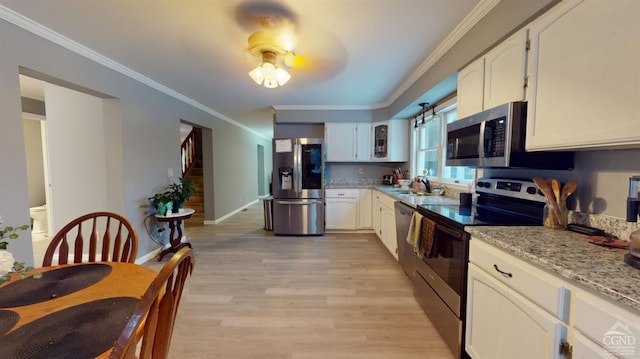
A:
x,y
554,220
555,186
544,187
567,190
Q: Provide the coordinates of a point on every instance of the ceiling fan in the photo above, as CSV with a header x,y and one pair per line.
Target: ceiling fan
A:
x,y
277,37
273,43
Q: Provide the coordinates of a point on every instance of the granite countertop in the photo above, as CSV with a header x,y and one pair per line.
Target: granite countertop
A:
x,y
569,255
414,200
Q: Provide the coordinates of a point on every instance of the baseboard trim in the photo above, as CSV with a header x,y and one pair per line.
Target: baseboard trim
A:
x,y
231,214
149,256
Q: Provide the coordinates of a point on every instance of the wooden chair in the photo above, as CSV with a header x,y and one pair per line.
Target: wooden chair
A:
x,y
113,233
148,333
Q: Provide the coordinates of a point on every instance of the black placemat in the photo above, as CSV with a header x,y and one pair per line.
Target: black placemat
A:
x,y
83,331
53,284
7,320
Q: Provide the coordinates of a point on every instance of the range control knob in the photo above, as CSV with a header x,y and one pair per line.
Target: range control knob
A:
x,y
532,190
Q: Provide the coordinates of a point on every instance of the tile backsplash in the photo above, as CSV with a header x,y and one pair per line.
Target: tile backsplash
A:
x,y
618,227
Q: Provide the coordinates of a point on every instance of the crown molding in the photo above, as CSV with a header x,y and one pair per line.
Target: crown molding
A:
x,y
69,44
326,107
478,12
467,23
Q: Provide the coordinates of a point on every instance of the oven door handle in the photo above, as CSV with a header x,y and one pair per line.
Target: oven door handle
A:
x,y
449,231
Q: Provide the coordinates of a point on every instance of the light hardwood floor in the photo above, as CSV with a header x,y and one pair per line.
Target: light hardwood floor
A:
x,y
255,295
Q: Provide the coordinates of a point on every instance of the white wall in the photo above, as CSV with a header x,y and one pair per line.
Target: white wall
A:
x,y
35,165
140,146
602,177
77,155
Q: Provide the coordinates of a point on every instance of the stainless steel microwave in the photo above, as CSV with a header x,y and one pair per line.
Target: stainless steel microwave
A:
x,y
496,138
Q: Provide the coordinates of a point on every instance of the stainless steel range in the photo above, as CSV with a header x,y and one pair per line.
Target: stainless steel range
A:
x,y
440,274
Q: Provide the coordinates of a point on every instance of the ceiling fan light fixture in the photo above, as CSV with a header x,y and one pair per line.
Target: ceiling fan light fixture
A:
x,y
267,73
257,75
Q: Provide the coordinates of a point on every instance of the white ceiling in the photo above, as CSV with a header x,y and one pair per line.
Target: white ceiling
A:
x,y
360,54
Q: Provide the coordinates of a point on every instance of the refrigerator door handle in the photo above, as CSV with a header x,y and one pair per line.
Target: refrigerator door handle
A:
x,y
301,202
297,168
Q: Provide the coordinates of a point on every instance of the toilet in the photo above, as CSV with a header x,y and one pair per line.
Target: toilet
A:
x,y
39,216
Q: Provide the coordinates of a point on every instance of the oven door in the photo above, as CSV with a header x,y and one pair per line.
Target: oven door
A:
x,y
445,263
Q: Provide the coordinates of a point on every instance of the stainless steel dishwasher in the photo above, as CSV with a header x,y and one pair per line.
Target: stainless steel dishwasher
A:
x,y
406,254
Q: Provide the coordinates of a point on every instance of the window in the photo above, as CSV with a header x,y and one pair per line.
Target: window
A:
x,y
428,143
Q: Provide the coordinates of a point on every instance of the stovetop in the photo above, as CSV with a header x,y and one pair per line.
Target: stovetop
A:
x,y
504,202
478,216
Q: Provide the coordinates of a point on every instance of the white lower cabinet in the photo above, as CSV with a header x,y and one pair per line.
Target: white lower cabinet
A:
x,y
518,310
384,221
365,206
603,329
341,210
503,324
348,209
583,348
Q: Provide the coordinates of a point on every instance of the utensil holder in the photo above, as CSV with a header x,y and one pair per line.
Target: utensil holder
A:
x,y
555,216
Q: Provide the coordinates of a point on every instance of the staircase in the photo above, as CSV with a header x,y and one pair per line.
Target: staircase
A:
x,y
191,154
197,200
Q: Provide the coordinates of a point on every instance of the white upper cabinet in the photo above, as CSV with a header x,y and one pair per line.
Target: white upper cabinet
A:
x,y
584,76
494,79
347,142
471,89
505,70
363,142
390,141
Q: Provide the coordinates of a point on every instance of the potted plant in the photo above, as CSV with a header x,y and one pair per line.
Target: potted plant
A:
x,y
162,202
181,192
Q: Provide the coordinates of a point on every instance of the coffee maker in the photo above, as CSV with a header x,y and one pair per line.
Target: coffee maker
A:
x,y
633,207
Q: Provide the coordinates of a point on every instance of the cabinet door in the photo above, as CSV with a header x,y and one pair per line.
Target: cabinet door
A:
x,y
390,141
504,71
584,80
340,141
583,348
388,230
377,213
340,213
363,142
503,324
365,207
604,324
380,132
470,89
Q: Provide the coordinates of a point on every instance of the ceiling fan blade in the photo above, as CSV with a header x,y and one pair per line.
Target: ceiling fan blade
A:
x,y
250,16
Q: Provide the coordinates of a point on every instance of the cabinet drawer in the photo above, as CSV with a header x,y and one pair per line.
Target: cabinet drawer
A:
x,y
603,322
385,199
342,193
533,283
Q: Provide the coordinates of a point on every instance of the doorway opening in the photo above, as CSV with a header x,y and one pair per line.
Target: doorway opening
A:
x,y
69,170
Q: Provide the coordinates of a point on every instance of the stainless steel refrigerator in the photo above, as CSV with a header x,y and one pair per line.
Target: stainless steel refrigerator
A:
x,y
298,192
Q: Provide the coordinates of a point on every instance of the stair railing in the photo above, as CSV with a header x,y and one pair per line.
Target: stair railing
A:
x,y
189,151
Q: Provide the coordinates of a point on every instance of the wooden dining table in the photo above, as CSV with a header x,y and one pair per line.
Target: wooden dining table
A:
x,y
73,311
